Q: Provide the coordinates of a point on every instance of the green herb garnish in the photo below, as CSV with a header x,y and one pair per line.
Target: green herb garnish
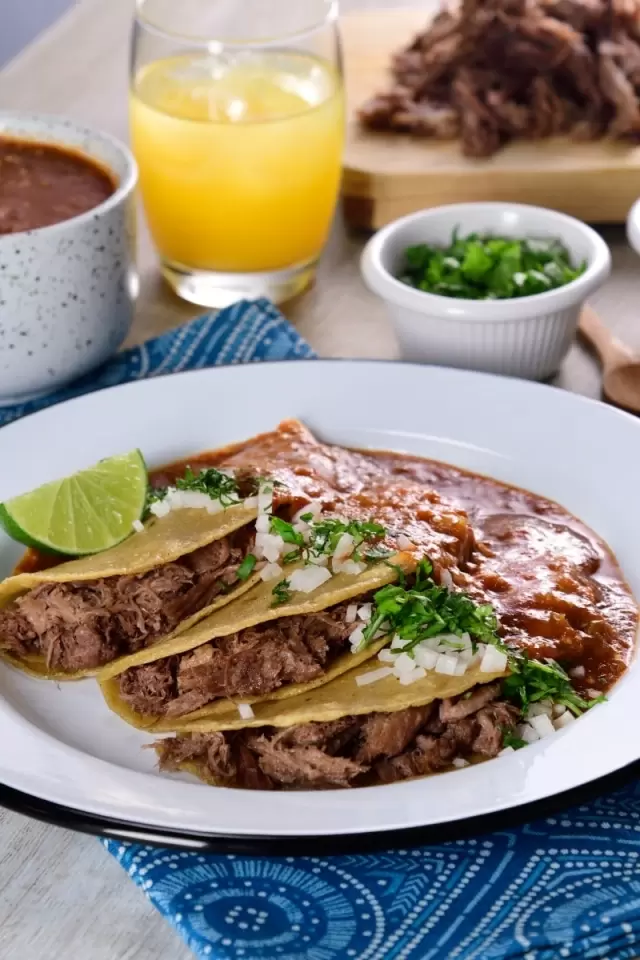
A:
x,y
245,569
480,267
425,610
285,530
281,593
217,485
511,739
322,538
530,681
154,495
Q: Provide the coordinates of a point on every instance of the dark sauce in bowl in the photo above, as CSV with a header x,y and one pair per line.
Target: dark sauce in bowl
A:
x,y
42,184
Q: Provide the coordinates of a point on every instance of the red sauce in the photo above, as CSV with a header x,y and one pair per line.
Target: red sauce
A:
x,y
554,584
42,184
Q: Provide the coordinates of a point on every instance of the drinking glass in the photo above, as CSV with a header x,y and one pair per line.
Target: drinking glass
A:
x,y
237,124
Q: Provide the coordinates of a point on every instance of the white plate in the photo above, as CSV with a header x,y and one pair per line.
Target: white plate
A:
x,y
61,744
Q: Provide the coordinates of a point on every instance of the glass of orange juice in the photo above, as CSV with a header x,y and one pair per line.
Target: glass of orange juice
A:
x,y
237,124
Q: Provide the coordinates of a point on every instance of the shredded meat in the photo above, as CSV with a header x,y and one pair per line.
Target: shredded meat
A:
x,y
489,71
251,663
85,624
351,751
386,735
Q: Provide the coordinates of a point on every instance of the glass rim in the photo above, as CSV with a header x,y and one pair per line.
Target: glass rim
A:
x,y
205,42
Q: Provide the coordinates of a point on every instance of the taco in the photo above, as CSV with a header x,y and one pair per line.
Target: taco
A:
x,y
446,691
69,620
250,651
343,734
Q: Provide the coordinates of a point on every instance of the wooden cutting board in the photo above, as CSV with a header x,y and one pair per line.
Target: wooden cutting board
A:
x,y
389,175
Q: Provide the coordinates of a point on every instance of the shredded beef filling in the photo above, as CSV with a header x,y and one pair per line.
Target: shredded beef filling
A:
x,y
353,751
489,71
83,625
251,663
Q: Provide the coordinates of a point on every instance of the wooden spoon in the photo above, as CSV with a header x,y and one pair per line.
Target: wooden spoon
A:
x,y
621,367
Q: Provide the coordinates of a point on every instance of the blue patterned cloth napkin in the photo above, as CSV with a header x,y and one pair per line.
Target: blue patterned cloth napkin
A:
x,y
563,887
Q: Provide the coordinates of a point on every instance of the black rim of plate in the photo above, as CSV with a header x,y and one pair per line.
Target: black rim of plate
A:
x,y
108,828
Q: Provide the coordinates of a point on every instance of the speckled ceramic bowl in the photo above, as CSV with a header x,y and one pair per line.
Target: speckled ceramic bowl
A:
x,y
67,291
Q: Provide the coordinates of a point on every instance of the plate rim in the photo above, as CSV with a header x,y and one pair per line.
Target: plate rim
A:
x,y
530,807
110,828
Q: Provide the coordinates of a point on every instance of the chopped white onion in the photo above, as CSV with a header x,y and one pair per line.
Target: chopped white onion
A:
x,y
314,508
308,578
424,657
364,612
446,580
563,720
527,733
593,694
446,664
459,763
344,548
191,499
245,711
493,661
373,675
397,642
352,611
544,708
416,674
251,502
404,663
461,667
263,523
348,566
137,526
356,637
386,656
404,543
577,672
160,508
269,545
506,750
265,498
558,709
271,571
542,725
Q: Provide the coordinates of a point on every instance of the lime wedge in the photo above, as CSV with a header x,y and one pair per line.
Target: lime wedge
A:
x,y
85,513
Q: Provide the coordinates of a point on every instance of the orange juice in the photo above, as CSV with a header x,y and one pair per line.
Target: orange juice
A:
x,y
239,157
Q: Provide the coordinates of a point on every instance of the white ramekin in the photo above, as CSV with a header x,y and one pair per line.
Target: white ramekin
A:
x,y
526,337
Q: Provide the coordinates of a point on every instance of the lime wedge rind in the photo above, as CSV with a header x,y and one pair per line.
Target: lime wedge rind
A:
x,y
83,514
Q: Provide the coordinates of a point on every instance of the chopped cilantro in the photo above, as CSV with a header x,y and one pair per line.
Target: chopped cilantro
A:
x,y
323,536
154,494
479,267
286,531
424,610
246,567
281,593
511,739
532,680
217,485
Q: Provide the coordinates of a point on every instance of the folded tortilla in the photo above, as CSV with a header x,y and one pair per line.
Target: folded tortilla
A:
x,y
342,697
164,540
288,743
252,610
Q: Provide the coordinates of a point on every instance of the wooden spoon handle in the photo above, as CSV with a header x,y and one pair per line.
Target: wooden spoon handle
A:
x,y
611,350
